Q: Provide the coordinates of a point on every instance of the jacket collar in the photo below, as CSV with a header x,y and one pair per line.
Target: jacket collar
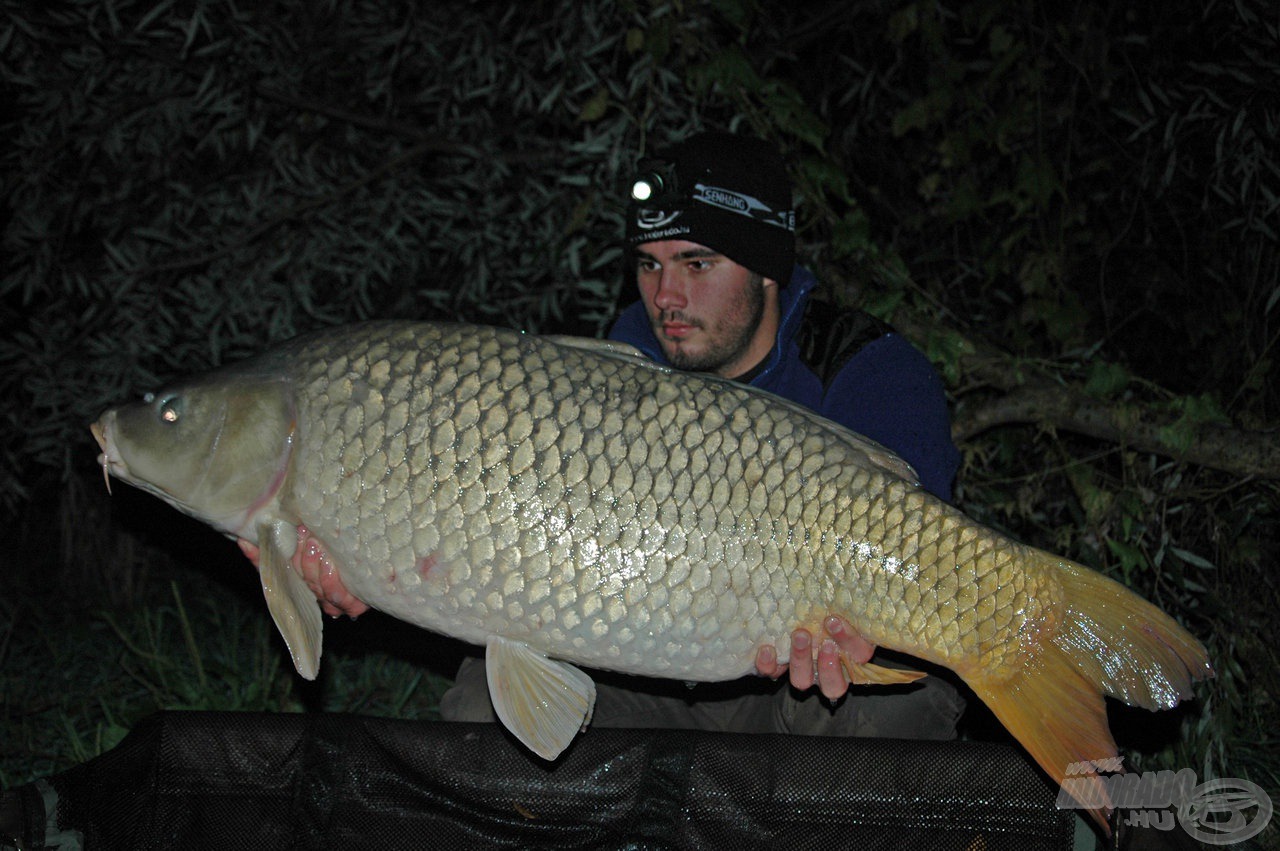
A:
x,y
792,300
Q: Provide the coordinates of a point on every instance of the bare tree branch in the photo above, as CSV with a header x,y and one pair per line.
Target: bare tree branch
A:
x,y
1237,451
1016,392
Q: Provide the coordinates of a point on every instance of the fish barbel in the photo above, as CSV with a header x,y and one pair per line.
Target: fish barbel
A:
x,y
566,502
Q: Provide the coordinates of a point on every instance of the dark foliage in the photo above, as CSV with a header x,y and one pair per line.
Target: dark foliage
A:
x,y
1040,195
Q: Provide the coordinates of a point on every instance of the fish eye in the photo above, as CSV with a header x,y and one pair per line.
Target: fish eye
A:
x,y
171,409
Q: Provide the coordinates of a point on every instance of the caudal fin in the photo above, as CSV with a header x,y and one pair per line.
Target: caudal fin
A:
x,y
1109,641
1134,651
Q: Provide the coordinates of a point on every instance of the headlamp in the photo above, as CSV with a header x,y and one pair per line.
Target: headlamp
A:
x,y
655,179
645,187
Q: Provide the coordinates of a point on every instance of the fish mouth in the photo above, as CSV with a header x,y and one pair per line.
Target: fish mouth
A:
x,y
109,459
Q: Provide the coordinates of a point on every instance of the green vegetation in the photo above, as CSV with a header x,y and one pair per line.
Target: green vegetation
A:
x,y
1071,210
80,671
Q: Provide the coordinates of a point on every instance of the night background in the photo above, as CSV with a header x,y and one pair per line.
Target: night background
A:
x,y
1073,210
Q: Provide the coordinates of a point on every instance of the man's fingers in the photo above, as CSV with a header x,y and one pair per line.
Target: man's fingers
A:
x,y
801,659
767,662
310,562
331,583
853,645
823,665
831,679
307,561
250,551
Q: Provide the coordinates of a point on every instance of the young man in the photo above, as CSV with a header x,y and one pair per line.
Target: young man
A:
x,y
712,229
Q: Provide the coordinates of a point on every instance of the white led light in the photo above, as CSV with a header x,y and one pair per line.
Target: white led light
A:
x,y
642,190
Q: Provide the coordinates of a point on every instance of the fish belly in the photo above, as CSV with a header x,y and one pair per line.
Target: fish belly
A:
x,y
480,482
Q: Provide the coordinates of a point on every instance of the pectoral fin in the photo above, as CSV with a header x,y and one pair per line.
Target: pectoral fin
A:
x,y
544,703
293,607
867,674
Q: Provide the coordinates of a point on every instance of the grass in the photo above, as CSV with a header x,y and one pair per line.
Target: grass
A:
x,y
75,679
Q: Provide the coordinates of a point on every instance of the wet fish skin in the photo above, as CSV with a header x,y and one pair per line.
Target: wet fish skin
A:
x,y
564,500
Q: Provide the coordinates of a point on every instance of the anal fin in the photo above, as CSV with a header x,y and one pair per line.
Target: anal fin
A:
x,y
292,605
865,673
543,702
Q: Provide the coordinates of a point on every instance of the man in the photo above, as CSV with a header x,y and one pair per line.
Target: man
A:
x,y
712,229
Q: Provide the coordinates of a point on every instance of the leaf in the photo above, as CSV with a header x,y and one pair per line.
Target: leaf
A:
x,y
1106,379
150,17
903,23
1192,559
1132,559
594,109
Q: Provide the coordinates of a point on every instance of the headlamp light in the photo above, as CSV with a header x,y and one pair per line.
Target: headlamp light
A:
x,y
645,187
656,179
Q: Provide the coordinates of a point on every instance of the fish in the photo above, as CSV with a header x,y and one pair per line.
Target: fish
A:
x,y
567,503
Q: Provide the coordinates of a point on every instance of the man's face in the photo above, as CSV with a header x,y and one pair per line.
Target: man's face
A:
x,y
705,310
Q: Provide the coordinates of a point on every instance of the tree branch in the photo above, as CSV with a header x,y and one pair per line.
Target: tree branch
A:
x,y
1024,393
1237,451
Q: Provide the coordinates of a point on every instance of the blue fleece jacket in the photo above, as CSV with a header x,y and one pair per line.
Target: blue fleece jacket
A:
x,y
887,391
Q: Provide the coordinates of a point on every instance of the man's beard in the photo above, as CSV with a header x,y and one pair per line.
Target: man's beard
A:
x,y
729,334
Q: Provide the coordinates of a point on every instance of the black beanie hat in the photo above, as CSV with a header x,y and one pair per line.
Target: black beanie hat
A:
x,y
729,193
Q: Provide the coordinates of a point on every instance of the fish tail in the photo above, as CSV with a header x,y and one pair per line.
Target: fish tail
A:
x,y
1109,641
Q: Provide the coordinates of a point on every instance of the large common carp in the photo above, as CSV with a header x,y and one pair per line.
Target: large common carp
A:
x,y
564,502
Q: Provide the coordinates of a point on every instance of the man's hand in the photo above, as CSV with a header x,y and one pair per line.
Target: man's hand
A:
x,y
830,674
313,564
